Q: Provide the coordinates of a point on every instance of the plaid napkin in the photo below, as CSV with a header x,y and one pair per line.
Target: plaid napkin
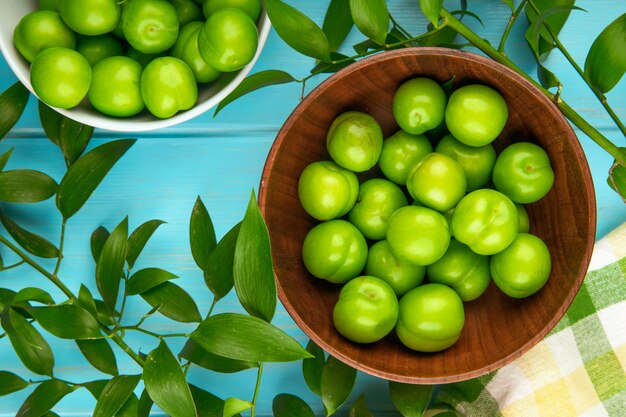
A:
x,y
579,369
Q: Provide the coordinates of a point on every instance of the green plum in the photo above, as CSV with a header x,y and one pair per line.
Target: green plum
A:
x,y
335,251
97,48
90,17
41,30
186,48
400,152
168,86
367,310
477,161
355,140
187,11
251,7
402,276
150,26
115,88
419,105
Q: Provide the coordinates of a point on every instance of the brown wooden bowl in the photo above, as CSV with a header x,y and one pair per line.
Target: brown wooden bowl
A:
x,y
497,329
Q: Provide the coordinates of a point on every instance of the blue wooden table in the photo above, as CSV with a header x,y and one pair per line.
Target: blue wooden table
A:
x,y
221,160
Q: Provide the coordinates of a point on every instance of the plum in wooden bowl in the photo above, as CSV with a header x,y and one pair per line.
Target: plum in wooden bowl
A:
x,y
498,328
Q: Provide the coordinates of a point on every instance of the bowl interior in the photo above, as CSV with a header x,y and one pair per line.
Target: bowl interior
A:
x,y
209,95
498,328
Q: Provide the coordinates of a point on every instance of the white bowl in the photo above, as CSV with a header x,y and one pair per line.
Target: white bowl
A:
x,y
208,95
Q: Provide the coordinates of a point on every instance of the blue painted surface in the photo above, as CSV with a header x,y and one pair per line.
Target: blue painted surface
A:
x,y
221,160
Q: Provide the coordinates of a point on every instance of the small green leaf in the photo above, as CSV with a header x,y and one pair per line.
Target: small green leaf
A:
x,y
70,136
546,77
194,353
337,382
145,404
553,14
31,242
207,404
247,338
98,237
105,314
67,321
410,400
95,388
432,9
201,234
99,354
254,82
287,405
233,406
26,186
10,383
297,30
147,278
28,344
312,367
138,239
110,265
173,302
337,23
371,17
114,395
4,158
509,3
86,301
617,178
218,275
359,409
84,176
166,383
325,67
6,297
33,294
43,398
441,37
253,272
606,61
130,407
362,47
464,13
12,104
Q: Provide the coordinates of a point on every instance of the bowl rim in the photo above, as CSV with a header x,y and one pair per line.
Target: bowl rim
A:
x,y
571,137
90,117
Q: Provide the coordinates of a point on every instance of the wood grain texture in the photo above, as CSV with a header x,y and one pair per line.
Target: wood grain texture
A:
x,y
498,329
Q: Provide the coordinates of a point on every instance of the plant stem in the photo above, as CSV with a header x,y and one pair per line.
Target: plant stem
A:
x,y
15,265
567,111
509,26
400,28
38,267
256,389
61,241
212,306
153,334
582,74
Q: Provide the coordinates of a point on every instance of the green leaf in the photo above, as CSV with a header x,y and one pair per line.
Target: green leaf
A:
x,y
86,301
98,237
6,297
33,294
253,272
114,395
237,336
138,239
99,354
130,407
297,30
233,406
312,367
147,278
43,398
444,413
145,404
254,82
371,17
31,242
194,353
337,23
441,37
410,400
324,67
174,302
26,186
28,344
105,313
84,176
464,13
546,77
166,383
617,178
201,234
4,158
287,405
207,404
606,61
218,275
10,383
67,321
337,382
70,136
553,14
432,9
359,409
110,264
95,388
12,104
509,3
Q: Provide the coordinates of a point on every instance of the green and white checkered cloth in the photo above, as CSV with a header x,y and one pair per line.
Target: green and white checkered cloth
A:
x,y
579,369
